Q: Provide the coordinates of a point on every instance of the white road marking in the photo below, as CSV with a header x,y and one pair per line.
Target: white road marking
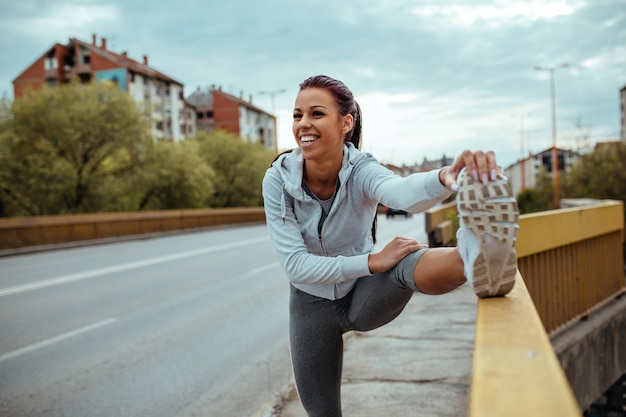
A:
x,y
263,268
124,267
55,339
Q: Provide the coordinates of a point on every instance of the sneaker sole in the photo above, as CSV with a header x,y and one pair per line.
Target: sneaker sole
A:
x,y
491,213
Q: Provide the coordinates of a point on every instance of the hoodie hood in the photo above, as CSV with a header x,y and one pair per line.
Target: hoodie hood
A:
x,y
290,166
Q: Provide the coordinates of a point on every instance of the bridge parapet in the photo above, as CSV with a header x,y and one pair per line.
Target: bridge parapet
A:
x,y
570,263
23,232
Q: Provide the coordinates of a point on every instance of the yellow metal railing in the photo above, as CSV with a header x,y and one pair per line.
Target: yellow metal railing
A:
x,y
570,262
515,371
572,259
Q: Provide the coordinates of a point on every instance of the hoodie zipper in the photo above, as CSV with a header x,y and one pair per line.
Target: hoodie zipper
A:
x,y
320,228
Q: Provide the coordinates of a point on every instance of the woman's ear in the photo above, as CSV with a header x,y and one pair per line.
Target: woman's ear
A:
x,y
348,124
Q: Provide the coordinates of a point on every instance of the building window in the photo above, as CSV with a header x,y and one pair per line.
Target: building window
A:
x,y
51,81
132,77
50,63
86,59
200,115
182,129
209,114
159,125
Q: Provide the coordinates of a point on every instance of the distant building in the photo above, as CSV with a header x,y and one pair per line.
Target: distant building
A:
x,y
161,97
522,175
191,114
216,109
607,147
426,165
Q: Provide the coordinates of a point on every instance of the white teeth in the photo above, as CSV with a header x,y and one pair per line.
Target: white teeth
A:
x,y
308,139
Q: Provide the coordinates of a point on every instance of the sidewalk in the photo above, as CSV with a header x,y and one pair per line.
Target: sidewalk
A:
x,y
417,365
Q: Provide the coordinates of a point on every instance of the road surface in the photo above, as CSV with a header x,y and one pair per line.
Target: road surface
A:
x,y
187,325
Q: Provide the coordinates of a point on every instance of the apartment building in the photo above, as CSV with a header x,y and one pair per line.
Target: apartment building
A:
x,y
160,96
522,175
217,109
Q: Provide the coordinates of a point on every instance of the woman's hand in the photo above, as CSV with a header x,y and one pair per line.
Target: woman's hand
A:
x,y
481,165
392,253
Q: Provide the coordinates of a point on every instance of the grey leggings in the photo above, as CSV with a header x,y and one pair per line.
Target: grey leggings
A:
x,y
316,327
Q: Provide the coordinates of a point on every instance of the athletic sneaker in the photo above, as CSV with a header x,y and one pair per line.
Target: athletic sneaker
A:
x,y
487,232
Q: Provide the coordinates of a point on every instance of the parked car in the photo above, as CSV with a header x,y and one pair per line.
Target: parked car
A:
x,y
391,212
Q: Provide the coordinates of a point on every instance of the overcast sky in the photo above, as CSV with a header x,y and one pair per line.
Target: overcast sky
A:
x,y
432,77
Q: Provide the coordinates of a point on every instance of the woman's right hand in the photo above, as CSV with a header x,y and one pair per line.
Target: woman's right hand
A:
x,y
392,253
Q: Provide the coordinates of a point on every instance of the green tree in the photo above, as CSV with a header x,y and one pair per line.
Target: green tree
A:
x,y
239,168
5,116
175,177
599,174
62,147
540,198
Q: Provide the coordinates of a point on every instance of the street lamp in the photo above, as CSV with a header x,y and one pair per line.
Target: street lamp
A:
x,y
522,133
272,94
555,158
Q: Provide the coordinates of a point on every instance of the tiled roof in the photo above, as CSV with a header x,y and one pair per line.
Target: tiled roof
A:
x,y
126,62
201,98
240,101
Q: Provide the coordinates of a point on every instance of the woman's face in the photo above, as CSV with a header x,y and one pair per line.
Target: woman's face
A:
x,y
318,126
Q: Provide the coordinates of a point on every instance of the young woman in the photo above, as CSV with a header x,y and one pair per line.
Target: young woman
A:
x,y
320,203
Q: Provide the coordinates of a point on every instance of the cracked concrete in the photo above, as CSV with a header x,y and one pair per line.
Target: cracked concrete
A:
x,y
417,365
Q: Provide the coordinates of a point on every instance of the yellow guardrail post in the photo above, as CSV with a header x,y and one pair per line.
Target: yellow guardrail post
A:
x,y
515,371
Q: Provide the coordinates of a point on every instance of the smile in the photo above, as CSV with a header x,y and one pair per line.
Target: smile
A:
x,y
308,139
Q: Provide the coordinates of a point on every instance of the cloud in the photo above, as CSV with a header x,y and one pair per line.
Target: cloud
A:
x,y
431,76
40,23
614,57
496,15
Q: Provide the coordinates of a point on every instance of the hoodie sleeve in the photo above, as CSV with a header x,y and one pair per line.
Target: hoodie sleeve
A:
x,y
414,193
301,266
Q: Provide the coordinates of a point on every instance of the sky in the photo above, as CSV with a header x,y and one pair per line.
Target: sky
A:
x,y
433,78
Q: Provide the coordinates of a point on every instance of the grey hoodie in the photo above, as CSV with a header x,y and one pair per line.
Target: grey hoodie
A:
x,y
328,264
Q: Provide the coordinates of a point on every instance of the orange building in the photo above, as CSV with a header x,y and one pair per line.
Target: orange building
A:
x,y
161,97
217,109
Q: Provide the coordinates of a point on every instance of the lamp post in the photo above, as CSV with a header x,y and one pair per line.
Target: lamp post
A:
x,y
522,133
555,157
272,94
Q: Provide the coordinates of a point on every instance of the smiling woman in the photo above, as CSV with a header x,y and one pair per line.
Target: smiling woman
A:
x,y
320,200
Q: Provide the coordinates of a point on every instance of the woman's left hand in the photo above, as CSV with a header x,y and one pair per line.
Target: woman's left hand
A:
x,y
392,253
481,166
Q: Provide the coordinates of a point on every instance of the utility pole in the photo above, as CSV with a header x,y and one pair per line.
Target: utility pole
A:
x,y
272,94
555,156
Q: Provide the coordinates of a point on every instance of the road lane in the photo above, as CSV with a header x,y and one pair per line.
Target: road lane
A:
x,y
187,325
94,273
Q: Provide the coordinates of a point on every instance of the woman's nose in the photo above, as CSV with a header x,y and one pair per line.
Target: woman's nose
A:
x,y
305,121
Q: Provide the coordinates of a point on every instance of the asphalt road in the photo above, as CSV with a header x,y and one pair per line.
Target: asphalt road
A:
x,y
177,326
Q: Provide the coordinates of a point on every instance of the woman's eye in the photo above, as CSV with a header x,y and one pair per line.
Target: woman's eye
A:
x,y
297,116
318,113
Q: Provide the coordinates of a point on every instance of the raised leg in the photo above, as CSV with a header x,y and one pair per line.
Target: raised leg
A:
x,y
439,270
